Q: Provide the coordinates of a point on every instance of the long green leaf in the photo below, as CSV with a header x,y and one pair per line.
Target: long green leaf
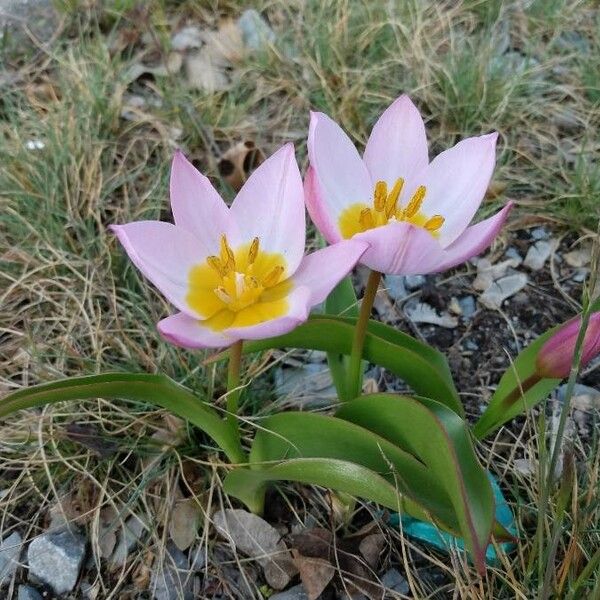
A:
x,y
155,389
500,409
439,438
344,476
421,366
342,302
308,435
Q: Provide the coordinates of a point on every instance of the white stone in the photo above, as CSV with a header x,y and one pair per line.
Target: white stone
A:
x,y
502,289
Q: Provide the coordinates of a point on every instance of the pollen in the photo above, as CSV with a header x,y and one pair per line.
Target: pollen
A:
x,y
386,207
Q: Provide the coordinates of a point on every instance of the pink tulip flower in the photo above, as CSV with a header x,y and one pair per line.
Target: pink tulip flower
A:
x,y
236,273
414,214
556,356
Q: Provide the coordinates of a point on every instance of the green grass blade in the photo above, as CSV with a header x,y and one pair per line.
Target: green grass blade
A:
x,y
155,389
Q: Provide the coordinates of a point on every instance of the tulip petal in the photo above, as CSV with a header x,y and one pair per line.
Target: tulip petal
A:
x,y
298,308
342,176
197,206
475,239
400,248
164,253
397,146
322,270
270,206
456,182
185,331
317,208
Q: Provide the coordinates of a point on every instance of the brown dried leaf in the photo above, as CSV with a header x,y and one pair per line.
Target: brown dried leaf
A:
x,y
184,521
315,573
239,161
90,437
371,547
256,538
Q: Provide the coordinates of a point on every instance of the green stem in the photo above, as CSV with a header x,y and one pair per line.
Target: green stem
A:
x,y
551,476
355,366
233,394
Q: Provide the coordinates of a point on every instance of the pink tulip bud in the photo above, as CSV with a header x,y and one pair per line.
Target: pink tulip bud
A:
x,y
557,354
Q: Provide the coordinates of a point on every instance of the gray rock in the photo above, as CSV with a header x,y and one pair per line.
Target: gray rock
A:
x,y
39,16
256,32
470,345
395,582
584,397
502,289
580,275
308,385
414,282
294,593
26,592
10,550
467,306
513,253
55,558
395,286
539,233
538,254
128,538
171,580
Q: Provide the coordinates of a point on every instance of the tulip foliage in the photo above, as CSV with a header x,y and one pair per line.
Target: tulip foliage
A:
x,y
240,280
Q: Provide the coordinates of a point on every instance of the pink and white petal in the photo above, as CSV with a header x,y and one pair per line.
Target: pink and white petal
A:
x,y
198,207
185,331
317,208
342,175
322,270
298,310
475,239
456,182
400,248
270,206
397,146
164,253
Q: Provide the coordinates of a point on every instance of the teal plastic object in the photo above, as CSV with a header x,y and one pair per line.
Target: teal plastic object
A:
x,y
431,535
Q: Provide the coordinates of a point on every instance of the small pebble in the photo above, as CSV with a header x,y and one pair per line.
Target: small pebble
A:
x,y
10,550
414,282
395,286
468,306
294,593
27,592
395,582
539,233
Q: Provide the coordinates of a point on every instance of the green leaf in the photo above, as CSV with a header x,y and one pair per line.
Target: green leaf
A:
x,y
342,301
440,439
155,389
419,365
504,405
344,476
309,435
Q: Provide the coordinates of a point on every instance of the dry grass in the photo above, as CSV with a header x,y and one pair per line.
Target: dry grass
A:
x,y
70,303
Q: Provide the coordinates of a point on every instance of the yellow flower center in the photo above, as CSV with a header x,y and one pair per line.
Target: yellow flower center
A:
x,y
360,217
239,287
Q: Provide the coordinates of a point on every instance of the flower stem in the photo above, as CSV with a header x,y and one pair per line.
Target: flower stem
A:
x,y
233,396
355,367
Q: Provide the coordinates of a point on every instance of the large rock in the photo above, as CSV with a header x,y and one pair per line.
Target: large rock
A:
x,y
10,550
171,580
55,558
26,592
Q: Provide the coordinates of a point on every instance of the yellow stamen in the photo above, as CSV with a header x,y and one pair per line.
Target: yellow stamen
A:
x,y
222,294
434,223
273,276
216,264
253,252
415,202
251,281
227,255
366,219
392,199
380,195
